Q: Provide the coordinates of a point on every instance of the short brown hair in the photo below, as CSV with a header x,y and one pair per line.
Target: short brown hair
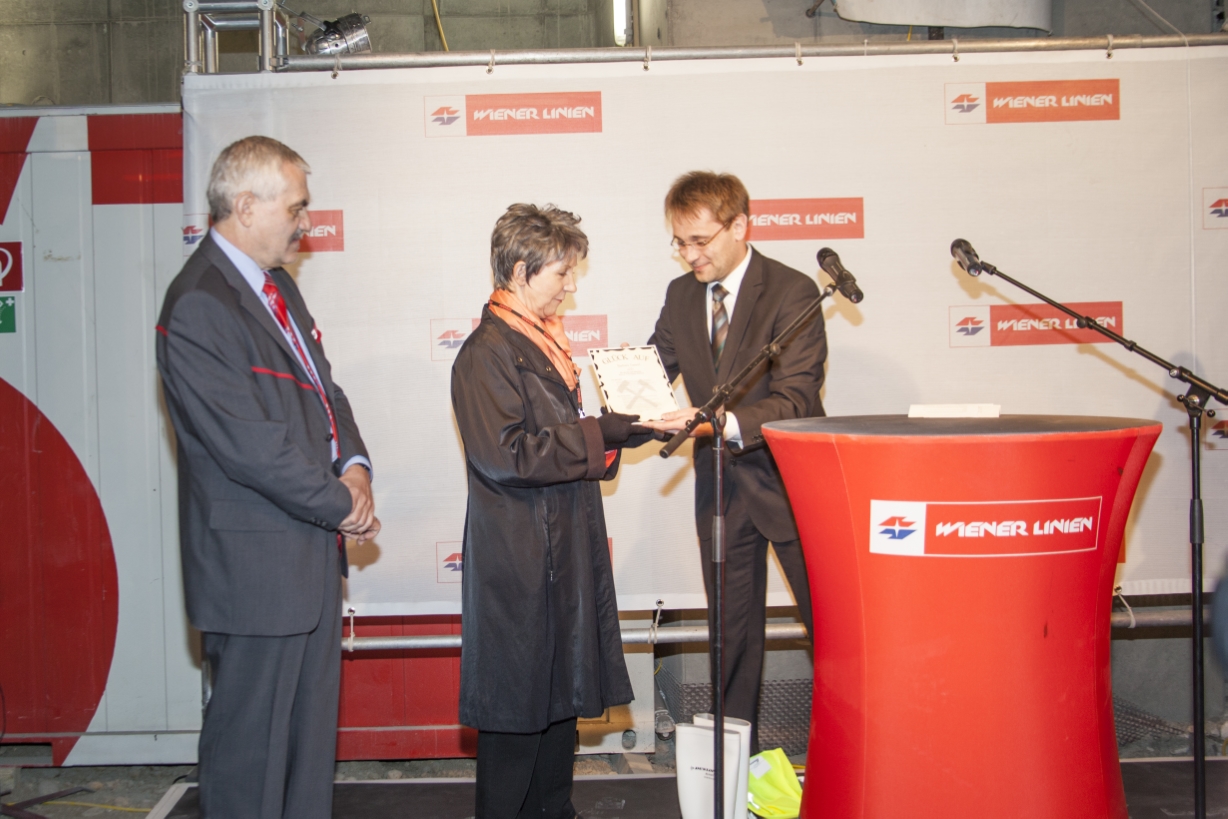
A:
x,y
721,193
535,236
252,164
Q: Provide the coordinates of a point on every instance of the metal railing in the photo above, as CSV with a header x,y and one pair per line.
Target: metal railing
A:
x,y
649,55
1169,618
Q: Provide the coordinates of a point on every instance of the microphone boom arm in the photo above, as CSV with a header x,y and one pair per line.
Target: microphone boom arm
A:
x,y
1200,389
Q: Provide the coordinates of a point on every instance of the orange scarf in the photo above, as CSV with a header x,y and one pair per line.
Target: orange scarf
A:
x,y
546,334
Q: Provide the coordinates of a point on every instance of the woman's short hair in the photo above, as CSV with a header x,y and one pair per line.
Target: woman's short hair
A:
x,y
535,236
252,164
722,194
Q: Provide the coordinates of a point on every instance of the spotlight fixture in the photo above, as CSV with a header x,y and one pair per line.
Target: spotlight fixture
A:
x,y
345,35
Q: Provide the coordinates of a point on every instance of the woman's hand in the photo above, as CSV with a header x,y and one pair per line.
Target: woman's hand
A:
x,y
617,427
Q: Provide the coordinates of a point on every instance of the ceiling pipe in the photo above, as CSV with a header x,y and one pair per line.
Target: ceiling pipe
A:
x,y
357,62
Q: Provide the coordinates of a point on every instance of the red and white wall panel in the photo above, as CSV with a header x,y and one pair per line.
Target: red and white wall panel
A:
x,y
98,659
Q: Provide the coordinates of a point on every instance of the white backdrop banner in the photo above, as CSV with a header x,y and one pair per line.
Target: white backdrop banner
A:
x,y
1102,182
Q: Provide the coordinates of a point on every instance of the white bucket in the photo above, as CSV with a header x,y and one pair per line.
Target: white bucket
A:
x,y
693,759
743,728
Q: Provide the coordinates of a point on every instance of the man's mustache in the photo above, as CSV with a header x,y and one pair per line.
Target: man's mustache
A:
x,y
298,234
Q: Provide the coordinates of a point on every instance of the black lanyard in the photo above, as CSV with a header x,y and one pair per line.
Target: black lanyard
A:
x,y
534,324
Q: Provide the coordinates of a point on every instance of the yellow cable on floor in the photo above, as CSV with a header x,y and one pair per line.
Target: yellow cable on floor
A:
x,y
439,24
96,805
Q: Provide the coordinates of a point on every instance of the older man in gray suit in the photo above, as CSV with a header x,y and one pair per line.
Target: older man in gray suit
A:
x,y
273,475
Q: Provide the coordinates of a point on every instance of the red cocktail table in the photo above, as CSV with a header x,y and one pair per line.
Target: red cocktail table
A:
x,y
962,574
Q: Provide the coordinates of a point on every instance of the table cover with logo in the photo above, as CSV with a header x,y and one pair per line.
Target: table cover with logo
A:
x,y
962,574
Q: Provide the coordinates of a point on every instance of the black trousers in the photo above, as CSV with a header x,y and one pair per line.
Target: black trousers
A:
x,y
745,598
268,746
526,775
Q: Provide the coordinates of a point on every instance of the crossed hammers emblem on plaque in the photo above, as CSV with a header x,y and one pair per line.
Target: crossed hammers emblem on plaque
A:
x,y
637,390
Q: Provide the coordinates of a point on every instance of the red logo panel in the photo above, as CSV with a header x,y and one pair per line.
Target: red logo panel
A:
x,y
327,232
1024,324
556,113
1012,527
585,332
785,219
1052,101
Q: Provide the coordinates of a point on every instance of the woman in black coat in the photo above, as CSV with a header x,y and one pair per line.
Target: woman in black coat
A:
x,y
541,644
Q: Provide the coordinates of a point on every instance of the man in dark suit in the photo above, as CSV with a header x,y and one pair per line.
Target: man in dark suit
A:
x,y
272,475
715,319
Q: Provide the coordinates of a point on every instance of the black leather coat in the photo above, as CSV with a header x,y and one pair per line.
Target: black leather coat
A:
x,y
539,620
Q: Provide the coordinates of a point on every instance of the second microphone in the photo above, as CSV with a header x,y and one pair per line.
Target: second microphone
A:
x,y
845,283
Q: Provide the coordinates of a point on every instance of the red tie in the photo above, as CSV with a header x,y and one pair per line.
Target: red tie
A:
x,y
283,318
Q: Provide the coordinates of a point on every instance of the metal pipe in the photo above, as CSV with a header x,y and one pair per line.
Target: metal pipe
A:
x,y
266,39
1174,618
631,636
248,22
210,30
355,62
281,40
1168,618
226,6
191,63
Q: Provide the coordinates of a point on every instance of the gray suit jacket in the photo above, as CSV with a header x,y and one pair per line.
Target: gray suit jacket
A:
x,y
259,500
770,297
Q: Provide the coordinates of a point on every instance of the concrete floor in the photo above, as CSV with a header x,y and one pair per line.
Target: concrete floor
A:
x,y
131,790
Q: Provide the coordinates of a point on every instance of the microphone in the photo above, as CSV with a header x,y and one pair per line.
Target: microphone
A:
x,y
966,257
845,283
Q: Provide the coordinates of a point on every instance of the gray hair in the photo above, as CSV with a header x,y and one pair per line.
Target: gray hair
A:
x,y
252,164
535,236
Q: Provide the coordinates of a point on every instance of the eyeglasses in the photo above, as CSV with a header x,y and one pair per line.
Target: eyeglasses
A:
x,y
699,244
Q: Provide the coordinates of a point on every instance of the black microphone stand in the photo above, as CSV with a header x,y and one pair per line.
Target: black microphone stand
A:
x,y
1195,400
708,414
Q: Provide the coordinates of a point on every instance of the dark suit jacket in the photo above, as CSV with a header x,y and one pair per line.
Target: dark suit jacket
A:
x,y
770,297
259,503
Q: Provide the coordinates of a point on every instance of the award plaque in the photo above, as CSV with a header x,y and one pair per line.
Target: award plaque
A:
x,y
633,381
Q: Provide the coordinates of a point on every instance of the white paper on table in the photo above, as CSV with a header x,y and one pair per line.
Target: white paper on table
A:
x,y
954,410
633,381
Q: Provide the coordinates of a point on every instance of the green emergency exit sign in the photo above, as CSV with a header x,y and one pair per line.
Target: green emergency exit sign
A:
x,y
8,314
